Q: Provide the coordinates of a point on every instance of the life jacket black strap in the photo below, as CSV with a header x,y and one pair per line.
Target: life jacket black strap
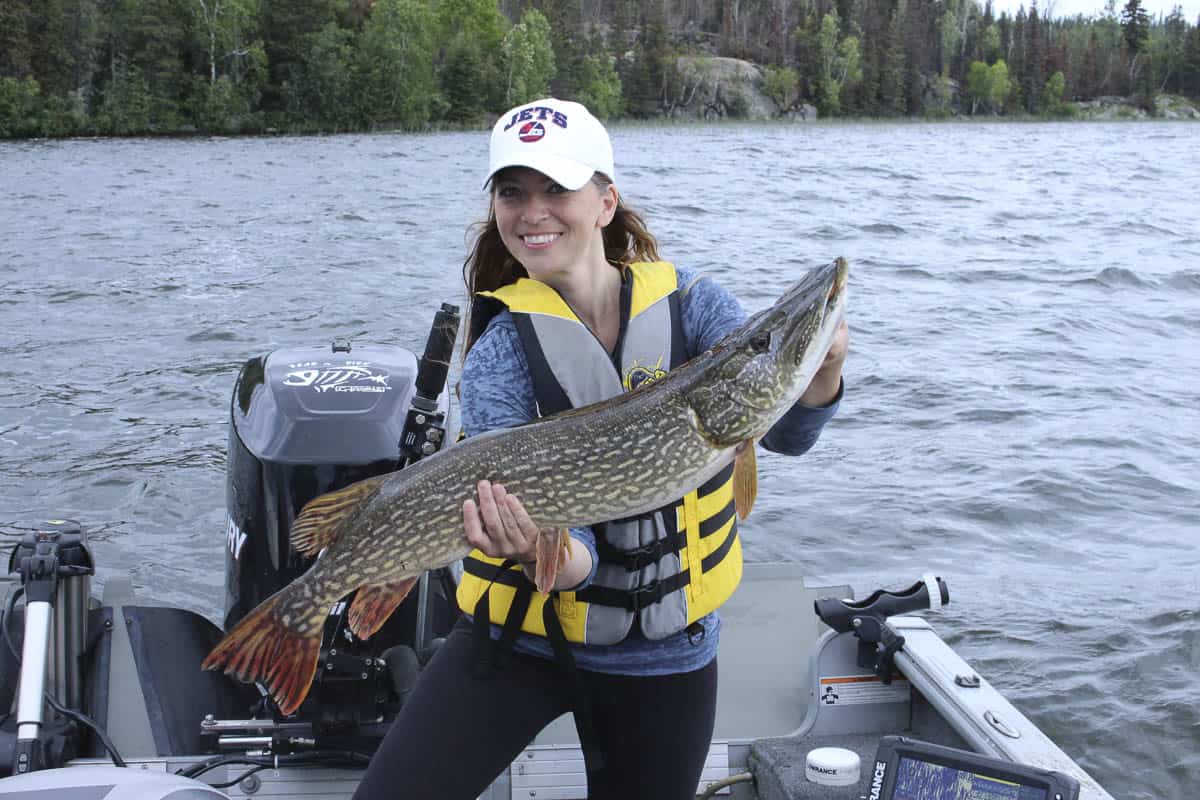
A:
x,y
717,521
679,353
640,557
488,572
481,632
633,600
512,624
551,398
592,760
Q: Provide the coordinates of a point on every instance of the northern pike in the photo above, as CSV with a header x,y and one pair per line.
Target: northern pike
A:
x,y
622,457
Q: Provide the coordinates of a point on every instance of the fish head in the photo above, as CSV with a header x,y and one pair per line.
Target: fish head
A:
x,y
757,373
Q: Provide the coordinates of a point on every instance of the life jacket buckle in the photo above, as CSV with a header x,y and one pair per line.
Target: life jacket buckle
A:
x,y
646,596
644,556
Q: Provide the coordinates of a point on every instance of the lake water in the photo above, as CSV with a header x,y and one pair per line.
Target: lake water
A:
x,y
1022,412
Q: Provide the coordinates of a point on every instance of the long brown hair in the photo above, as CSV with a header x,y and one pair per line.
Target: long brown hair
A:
x,y
489,265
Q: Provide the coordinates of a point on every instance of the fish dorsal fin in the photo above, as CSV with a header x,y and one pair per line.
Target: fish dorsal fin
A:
x,y
745,479
318,525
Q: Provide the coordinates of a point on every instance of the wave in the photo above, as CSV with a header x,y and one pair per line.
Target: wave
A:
x,y
885,173
691,211
1126,228
915,272
1185,320
70,296
1115,278
885,228
954,198
827,232
214,336
1186,280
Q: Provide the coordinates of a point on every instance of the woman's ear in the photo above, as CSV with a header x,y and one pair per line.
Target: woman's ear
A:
x,y
609,200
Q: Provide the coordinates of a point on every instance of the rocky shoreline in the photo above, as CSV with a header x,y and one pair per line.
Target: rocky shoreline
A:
x,y
714,87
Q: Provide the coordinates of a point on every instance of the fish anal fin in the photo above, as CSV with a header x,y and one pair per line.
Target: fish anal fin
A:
x,y
553,552
374,603
319,522
261,648
745,479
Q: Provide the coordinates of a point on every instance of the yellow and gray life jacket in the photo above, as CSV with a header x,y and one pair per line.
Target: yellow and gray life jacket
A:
x,y
671,567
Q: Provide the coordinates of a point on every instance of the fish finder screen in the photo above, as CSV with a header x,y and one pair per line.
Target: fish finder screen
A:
x,y
921,780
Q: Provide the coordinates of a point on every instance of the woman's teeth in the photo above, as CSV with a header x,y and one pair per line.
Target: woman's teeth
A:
x,y
540,238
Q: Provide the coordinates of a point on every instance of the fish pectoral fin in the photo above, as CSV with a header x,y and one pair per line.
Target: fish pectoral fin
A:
x,y
374,603
261,647
318,525
745,479
553,552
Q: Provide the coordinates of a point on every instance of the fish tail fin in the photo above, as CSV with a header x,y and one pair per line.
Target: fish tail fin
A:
x,y
374,603
320,522
553,550
262,648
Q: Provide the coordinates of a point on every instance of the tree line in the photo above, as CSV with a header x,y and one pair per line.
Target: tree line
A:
x,y
120,67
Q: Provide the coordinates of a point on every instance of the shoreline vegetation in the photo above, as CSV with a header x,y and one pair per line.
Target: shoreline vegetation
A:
x,y
180,67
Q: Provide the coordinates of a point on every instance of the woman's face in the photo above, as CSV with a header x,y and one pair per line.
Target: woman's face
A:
x,y
551,230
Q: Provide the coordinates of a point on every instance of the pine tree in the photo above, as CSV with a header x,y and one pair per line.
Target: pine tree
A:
x,y
1088,85
14,39
1135,26
1032,79
893,100
1191,60
1016,59
51,58
1135,30
287,26
647,73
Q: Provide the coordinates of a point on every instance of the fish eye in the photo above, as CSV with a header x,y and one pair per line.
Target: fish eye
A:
x,y
760,342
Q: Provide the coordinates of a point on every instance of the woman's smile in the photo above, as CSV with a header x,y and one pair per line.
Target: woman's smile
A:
x,y
540,240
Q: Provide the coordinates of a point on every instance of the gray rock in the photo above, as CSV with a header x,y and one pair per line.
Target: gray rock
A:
x,y
712,87
1172,106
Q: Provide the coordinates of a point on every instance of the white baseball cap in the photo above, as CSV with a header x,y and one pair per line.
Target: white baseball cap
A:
x,y
558,138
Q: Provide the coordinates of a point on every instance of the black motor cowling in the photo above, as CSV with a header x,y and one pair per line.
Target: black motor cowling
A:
x,y
303,421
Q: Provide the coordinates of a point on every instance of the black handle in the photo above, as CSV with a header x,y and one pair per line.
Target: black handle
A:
x,y
839,614
435,363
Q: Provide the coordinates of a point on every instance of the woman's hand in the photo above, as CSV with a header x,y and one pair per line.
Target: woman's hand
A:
x,y
828,379
498,525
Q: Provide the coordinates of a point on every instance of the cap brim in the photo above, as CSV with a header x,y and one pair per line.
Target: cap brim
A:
x,y
563,171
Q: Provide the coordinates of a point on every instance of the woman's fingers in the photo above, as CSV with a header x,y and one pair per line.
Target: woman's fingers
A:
x,y
498,524
512,528
473,528
489,510
529,528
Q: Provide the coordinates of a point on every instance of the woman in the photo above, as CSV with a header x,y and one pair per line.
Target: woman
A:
x,y
571,305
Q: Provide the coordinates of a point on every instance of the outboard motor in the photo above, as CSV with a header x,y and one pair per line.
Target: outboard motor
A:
x,y
309,420
304,421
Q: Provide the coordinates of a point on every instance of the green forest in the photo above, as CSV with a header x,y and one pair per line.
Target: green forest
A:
x,y
129,67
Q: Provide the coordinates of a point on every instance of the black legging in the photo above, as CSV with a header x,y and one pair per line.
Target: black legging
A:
x,y
457,732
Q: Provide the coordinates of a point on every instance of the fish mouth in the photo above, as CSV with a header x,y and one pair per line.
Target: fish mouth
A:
x,y
811,312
